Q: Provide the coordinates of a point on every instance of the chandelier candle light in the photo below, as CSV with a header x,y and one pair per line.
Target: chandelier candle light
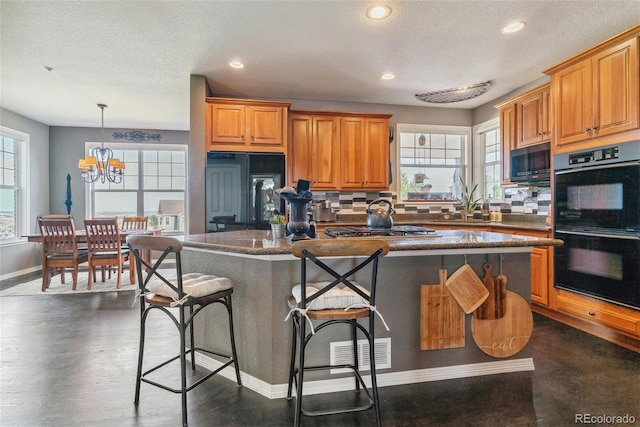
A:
x,y
101,164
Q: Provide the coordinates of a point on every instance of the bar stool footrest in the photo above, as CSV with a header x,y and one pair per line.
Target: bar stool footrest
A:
x,y
195,384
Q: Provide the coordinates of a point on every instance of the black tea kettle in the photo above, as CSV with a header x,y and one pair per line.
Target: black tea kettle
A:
x,y
381,218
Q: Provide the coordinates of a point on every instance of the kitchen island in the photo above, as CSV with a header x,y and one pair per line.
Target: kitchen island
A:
x,y
264,271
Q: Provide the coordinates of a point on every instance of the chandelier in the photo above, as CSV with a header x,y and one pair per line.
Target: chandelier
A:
x,y
101,165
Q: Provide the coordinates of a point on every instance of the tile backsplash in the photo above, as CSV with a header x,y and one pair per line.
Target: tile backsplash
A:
x,y
533,200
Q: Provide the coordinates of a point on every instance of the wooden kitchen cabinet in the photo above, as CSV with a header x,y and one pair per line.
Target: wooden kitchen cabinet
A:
x,y
339,151
364,153
314,150
508,136
541,265
246,125
532,116
596,95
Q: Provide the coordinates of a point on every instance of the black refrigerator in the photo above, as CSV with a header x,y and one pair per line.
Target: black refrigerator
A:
x,y
240,189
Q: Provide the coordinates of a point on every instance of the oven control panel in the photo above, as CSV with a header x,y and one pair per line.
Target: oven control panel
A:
x,y
608,153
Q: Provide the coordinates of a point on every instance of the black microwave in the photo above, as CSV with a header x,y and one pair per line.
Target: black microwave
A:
x,y
531,164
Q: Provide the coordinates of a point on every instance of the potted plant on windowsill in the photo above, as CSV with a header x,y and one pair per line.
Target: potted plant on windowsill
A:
x,y
467,201
278,223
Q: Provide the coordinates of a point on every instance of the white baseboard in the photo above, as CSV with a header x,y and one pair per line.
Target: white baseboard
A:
x,y
279,391
20,272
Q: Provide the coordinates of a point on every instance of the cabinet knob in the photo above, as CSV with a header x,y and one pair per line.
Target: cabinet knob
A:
x,y
591,313
587,129
595,128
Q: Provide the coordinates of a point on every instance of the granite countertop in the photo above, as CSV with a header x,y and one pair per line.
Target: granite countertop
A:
x,y
510,221
260,242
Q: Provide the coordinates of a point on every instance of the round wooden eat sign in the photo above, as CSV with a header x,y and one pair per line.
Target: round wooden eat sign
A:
x,y
508,335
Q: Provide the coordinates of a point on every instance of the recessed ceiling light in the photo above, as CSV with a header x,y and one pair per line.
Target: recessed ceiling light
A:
x,y
236,64
379,12
513,27
388,76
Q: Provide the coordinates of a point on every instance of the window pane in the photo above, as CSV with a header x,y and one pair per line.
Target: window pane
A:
x,y
111,204
7,213
165,210
164,156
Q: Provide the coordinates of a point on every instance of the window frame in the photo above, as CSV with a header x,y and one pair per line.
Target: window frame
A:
x,y
479,153
466,168
23,185
140,191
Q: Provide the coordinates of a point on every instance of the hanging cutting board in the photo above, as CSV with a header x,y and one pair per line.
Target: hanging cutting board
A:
x,y
441,319
466,288
494,306
506,336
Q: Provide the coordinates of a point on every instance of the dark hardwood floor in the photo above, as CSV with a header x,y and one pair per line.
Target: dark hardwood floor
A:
x,y
69,360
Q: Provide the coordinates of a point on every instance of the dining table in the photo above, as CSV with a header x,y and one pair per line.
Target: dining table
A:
x,y
81,235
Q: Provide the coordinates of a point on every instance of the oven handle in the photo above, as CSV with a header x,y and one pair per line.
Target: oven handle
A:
x,y
588,234
590,168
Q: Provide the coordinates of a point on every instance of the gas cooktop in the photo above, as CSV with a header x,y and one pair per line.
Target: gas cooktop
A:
x,y
400,230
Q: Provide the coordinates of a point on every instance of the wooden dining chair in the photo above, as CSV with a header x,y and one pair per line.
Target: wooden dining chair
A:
x,y
59,249
135,222
51,216
105,249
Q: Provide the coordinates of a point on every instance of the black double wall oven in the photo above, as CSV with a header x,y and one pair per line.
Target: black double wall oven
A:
x,y
597,215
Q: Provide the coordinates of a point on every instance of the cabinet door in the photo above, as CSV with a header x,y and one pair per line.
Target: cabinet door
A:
x,y
508,135
325,152
352,152
228,124
376,161
264,126
616,75
529,118
573,100
539,275
547,116
300,136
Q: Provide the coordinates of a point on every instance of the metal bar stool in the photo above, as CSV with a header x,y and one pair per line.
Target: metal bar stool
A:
x,y
168,292
341,301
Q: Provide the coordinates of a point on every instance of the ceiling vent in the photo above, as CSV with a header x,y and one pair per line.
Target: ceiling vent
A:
x,y
455,94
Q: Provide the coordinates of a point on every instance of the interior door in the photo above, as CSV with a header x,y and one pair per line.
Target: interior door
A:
x,y
223,192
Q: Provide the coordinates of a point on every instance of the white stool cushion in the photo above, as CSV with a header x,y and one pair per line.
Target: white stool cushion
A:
x,y
340,296
195,284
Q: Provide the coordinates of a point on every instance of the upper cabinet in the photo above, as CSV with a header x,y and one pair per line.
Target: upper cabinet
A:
x,y
533,124
524,120
596,94
314,152
337,151
364,153
246,125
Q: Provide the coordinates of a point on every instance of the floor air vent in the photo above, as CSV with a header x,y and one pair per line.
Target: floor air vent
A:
x,y
341,353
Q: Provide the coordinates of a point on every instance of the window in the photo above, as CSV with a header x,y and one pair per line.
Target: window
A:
x,y
13,184
431,161
153,185
487,136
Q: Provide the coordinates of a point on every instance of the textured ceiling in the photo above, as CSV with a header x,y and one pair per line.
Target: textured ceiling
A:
x,y
136,56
